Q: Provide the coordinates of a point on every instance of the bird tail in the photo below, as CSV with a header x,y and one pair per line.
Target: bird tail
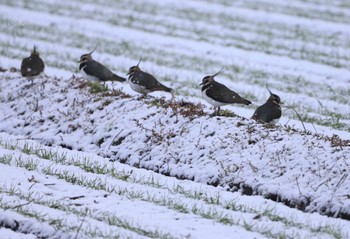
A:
x,y
118,78
167,89
162,87
244,101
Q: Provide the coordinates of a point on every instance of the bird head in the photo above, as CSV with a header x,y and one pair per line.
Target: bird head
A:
x,y
274,98
134,68
208,79
34,52
86,57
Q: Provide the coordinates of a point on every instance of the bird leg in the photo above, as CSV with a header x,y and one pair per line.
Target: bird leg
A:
x,y
31,79
172,100
143,96
218,110
213,114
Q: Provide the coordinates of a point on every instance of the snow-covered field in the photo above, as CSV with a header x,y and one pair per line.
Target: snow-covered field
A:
x,y
50,192
299,48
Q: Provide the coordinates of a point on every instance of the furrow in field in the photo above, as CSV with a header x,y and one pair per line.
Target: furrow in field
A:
x,y
66,217
257,39
105,190
99,211
341,5
115,35
325,11
101,197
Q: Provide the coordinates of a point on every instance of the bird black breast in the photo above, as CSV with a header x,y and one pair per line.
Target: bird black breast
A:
x,y
32,66
82,65
268,112
206,86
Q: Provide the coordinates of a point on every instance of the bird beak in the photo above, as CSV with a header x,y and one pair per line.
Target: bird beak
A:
x,y
79,61
128,73
201,83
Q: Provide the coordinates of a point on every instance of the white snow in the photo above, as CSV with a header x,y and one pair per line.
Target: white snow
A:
x,y
136,198
298,48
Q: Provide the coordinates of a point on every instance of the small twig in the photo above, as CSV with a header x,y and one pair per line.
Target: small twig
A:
x,y
314,127
320,103
322,183
81,224
200,133
254,168
49,184
296,179
115,138
21,205
292,108
32,185
342,180
76,197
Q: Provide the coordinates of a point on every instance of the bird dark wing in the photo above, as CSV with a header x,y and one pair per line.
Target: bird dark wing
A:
x,y
40,65
267,112
32,66
150,82
24,67
98,70
222,93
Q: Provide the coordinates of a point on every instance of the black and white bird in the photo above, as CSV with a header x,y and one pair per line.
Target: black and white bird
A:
x,y
143,82
33,65
95,71
218,94
270,112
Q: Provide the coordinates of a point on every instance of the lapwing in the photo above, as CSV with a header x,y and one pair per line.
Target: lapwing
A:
x,y
32,66
143,82
218,94
270,112
95,71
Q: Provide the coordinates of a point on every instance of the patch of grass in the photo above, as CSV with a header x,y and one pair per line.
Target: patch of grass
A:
x,y
96,87
227,113
6,159
187,109
330,230
27,163
60,224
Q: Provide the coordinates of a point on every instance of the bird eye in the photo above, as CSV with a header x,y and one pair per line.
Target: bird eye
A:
x,y
277,98
205,79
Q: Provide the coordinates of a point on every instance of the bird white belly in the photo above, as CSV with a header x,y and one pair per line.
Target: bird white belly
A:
x,y
88,77
275,121
138,88
211,101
